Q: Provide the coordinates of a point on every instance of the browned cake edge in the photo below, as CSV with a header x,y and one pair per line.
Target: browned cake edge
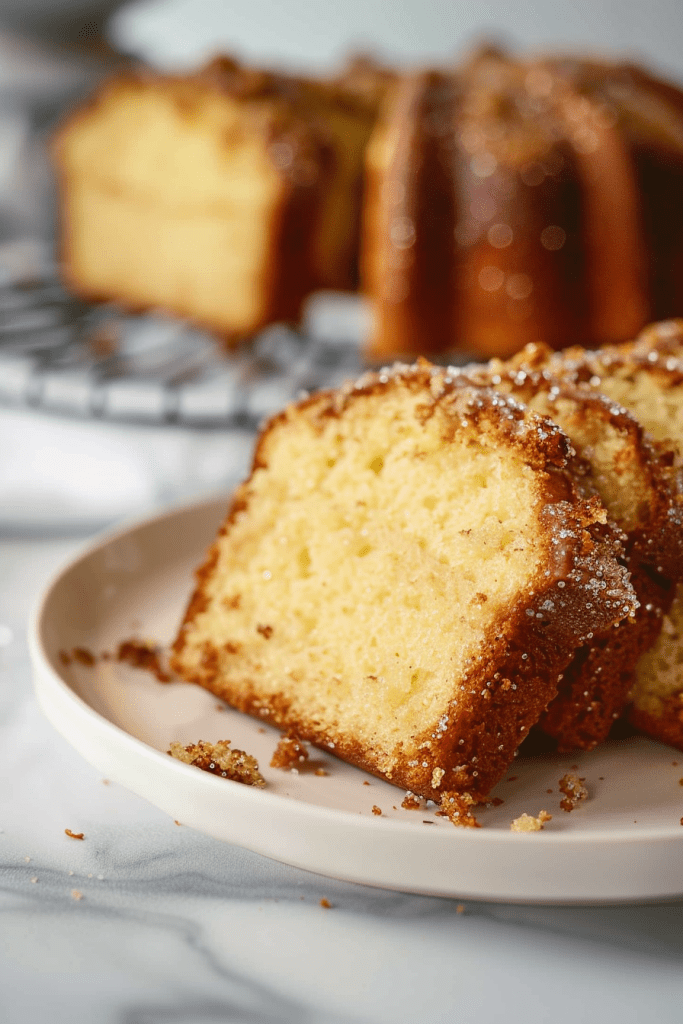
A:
x,y
593,691
658,351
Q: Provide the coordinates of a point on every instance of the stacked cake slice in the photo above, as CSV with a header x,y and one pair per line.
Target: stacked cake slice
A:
x,y
404,577
426,564
646,377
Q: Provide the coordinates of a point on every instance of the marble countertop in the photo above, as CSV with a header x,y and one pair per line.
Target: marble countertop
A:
x,y
146,922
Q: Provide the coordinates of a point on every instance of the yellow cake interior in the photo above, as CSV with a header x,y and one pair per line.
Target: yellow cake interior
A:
x,y
370,566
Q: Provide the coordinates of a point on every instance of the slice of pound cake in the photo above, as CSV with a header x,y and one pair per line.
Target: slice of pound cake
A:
x,y
638,486
646,376
403,577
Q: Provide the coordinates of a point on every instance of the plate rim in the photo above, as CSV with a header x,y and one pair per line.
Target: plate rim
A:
x,y
52,687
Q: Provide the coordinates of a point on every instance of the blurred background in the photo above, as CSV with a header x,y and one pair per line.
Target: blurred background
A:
x,y
86,440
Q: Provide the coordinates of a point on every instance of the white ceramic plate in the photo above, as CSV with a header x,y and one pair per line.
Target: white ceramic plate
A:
x,y
624,843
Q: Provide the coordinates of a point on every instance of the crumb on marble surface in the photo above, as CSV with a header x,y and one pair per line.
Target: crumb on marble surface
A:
x,y
326,904
74,835
411,802
220,759
76,894
376,810
529,823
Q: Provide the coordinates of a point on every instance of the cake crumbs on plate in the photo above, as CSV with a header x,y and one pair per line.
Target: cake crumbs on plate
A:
x,y
456,807
320,771
574,791
34,880
411,802
528,823
289,752
325,903
460,909
366,783
219,759
495,801
83,656
73,835
376,810
143,655
76,894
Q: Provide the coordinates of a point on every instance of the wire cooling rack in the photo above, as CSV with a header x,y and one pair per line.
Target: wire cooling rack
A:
x,y
61,355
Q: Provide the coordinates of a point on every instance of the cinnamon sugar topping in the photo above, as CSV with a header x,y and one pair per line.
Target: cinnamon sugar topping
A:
x,y
219,759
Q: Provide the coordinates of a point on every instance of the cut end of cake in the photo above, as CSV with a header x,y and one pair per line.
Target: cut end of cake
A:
x,y
403,577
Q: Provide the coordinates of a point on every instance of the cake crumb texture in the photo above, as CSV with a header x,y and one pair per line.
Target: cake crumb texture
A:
x,y
219,759
529,823
289,753
574,791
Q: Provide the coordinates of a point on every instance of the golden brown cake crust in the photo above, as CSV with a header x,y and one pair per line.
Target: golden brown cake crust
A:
x,y
516,200
594,688
578,591
647,376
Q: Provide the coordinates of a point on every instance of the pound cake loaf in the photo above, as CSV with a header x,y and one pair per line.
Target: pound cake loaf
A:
x,y
516,200
403,577
646,377
639,488
226,196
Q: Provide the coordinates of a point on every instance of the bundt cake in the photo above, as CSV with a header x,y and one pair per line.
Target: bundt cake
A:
x,y
522,200
403,577
647,378
639,488
226,196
